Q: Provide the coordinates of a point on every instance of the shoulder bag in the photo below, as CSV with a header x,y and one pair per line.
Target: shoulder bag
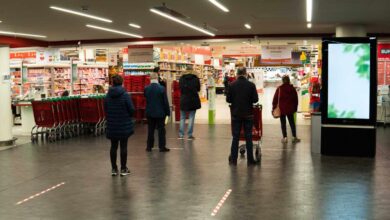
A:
x,y
276,111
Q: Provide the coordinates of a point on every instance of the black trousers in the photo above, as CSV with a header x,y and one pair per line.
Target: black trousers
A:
x,y
153,124
114,149
291,122
237,124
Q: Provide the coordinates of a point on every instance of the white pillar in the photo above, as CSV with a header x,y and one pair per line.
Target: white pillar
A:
x,y
5,97
351,31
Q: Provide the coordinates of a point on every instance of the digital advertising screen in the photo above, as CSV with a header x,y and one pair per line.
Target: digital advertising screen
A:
x,y
349,80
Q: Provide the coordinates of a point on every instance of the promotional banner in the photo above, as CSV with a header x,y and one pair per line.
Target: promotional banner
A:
x,y
140,53
276,54
237,50
384,52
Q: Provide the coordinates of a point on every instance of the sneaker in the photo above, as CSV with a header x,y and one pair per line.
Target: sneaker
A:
x,y
125,172
190,138
232,162
164,149
253,162
180,138
114,172
296,140
284,140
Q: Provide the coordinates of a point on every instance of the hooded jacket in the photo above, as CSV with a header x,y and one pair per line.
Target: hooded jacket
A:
x,y
119,111
189,87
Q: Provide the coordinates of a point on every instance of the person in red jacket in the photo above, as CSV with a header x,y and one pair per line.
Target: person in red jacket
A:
x,y
287,97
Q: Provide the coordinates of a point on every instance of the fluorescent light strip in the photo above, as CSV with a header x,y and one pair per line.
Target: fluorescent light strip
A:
x,y
21,34
247,26
81,14
309,10
134,25
219,5
181,22
114,31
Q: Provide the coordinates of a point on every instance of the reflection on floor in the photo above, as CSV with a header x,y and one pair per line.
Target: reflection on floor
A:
x,y
189,181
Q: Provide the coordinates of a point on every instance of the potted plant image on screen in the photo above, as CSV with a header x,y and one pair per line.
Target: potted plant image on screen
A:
x,y
349,81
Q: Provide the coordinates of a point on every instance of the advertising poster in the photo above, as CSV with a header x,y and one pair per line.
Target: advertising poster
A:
x,y
24,74
74,72
276,54
349,81
67,55
140,53
101,55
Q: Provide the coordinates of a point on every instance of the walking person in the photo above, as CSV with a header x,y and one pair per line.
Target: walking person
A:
x,y
286,98
242,94
157,108
119,111
189,100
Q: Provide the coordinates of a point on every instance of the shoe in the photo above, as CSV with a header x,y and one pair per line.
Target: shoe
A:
x,y
114,172
253,162
190,138
232,162
296,140
180,138
164,149
284,140
149,149
125,172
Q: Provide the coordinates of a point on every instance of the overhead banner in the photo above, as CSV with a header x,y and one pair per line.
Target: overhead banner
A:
x,y
140,53
276,54
384,52
237,50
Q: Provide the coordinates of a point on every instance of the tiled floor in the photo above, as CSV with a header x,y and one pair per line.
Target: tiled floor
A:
x,y
189,181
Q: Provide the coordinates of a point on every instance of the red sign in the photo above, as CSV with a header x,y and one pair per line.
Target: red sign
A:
x,y
387,79
381,73
140,46
384,52
23,55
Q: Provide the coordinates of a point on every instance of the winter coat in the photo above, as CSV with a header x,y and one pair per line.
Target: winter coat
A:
x,y
242,94
157,105
119,111
189,87
288,103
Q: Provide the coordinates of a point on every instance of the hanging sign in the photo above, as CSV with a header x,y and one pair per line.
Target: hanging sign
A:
x,y
140,53
276,54
384,52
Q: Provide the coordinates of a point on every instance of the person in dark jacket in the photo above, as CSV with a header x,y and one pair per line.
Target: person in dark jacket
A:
x,y
161,81
119,111
157,108
287,98
242,94
189,100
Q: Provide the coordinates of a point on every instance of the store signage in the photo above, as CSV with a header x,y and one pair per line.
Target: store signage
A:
x,y
276,54
140,53
237,50
101,55
23,55
384,52
196,50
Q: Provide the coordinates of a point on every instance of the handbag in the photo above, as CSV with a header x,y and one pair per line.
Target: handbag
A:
x,y
276,111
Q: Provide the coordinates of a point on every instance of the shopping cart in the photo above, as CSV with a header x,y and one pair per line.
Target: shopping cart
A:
x,y
45,121
257,133
92,114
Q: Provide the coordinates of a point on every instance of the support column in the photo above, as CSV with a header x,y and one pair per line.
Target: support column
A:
x,y
351,31
6,137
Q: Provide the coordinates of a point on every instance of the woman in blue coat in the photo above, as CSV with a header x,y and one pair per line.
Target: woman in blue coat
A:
x,y
119,111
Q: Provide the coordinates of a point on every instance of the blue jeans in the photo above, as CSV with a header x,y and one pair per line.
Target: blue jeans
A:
x,y
191,120
237,124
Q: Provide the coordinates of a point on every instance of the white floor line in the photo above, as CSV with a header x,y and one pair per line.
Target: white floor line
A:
x,y
221,202
39,194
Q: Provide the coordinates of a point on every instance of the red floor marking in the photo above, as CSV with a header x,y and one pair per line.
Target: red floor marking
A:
x,y
221,202
40,193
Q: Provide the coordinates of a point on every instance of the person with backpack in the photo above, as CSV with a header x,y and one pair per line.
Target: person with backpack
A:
x,y
119,112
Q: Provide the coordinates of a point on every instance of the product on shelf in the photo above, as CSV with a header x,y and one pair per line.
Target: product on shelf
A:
x,y
62,80
16,81
88,77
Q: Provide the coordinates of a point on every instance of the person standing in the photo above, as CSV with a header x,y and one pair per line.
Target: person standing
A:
x,y
286,98
242,94
189,100
161,81
157,108
119,111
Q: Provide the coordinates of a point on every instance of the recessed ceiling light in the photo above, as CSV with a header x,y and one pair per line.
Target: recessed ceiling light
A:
x,y
21,34
81,14
181,22
309,25
114,31
247,26
1,21
244,42
219,5
134,25
309,10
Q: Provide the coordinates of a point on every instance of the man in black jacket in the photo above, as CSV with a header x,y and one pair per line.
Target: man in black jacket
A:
x,y
189,100
157,108
242,94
